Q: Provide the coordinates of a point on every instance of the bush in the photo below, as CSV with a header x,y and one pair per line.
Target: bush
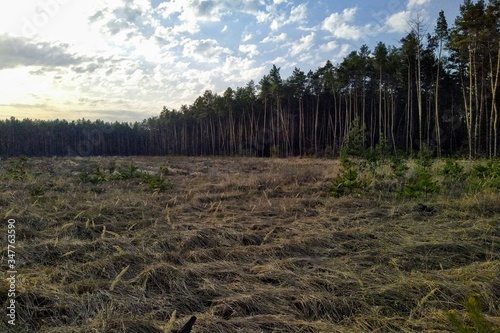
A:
x,y
425,157
453,170
16,169
422,185
485,176
475,322
354,141
398,166
347,181
156,183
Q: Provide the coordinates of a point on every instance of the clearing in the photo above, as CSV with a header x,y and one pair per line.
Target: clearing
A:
x,y
246,244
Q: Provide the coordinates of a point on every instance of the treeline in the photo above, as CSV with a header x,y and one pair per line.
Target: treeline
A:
x,y
435,89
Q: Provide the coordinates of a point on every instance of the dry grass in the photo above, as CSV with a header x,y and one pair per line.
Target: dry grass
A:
x,y
245,244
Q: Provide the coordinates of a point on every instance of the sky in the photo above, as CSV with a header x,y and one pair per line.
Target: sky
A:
x,y
124,60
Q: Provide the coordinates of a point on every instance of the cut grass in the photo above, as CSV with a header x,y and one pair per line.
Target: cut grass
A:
x,y
245,244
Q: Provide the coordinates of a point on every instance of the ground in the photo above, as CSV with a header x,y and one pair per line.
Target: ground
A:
x,y
118,244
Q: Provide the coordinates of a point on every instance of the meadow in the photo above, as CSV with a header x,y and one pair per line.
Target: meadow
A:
x,y
140,244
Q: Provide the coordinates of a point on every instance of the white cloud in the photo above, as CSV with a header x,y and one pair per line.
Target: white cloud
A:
x,y
336,19
204,50
398,22
297,15
249,49
207,11
279,61
416,3
338,24
275,39
330,46
224,29
238,69
246,37
303,45
348,32
262,16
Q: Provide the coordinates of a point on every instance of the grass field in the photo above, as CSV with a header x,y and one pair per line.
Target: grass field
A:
x,y
245,244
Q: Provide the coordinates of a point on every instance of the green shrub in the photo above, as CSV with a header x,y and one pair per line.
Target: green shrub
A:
x,y
156,183
97,176
481,171
484,175
130,172
475,322
425,157
398,166
422,185
164,170
347,181
355,140
37,191
111,167
453,170
16,169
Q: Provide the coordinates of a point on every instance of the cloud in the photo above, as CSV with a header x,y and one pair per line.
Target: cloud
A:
x,y
18,52
89,68
237,69
416,3
246,37
122,16
204,50
337,19
398,22
249,49
298,14
275,39
338,24
302,45
330,46
207,10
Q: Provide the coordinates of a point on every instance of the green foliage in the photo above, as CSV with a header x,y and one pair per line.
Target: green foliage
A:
x,y
354,142
376,156
475,321
37,191
157,183
422,185
347,181
483,176
487,171
96,177
129,172
453,170
16,168
164,170
398,166
111,167
480,171
425,157
382,148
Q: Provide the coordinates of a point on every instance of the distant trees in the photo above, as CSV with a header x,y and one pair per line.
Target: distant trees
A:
x,y
439,91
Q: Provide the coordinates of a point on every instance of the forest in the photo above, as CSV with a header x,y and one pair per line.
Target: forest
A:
x,y
436,89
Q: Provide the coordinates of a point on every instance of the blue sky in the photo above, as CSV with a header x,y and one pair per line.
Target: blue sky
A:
x,y
123,60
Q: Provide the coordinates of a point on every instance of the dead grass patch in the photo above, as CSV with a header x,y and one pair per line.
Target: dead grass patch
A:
x,y
245,244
